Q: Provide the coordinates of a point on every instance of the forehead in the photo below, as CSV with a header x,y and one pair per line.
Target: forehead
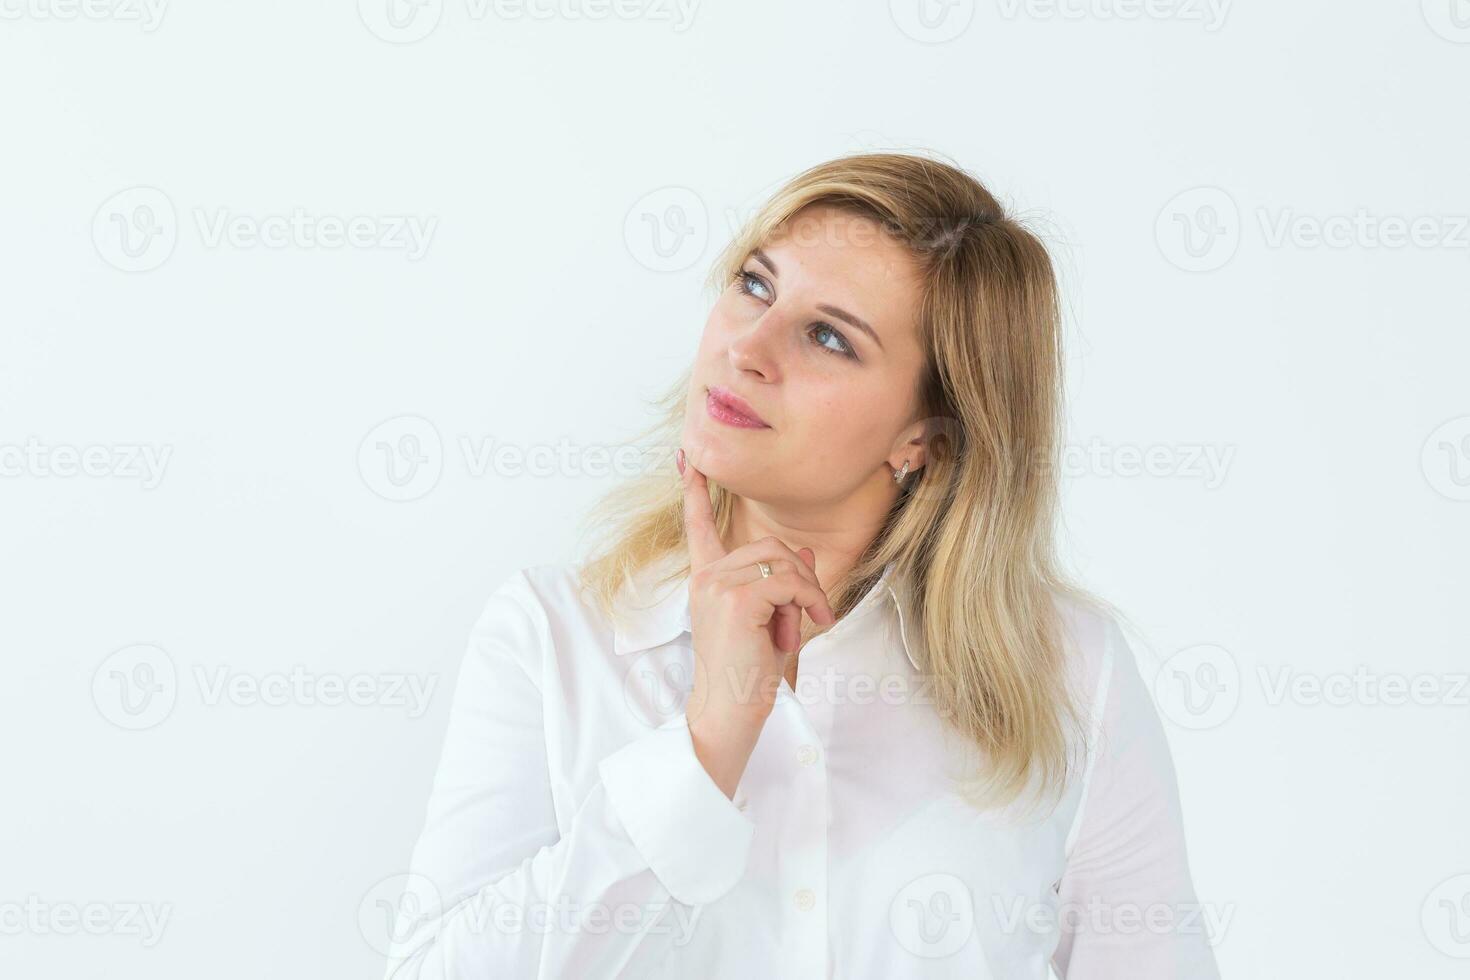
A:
x,y
832,255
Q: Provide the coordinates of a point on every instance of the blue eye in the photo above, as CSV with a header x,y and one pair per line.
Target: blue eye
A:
x,y
744,281
844,350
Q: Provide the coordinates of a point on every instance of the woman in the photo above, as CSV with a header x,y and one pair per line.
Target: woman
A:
x,y
823,705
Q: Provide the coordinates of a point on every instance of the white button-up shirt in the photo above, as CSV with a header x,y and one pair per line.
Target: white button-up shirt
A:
x,y
572,831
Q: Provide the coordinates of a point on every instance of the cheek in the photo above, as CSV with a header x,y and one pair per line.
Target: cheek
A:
x,y
842,426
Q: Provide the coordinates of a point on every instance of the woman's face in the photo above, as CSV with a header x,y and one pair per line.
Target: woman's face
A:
x,y
838,402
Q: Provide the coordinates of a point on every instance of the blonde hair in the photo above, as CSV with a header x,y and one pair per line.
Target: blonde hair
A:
x,y
972,532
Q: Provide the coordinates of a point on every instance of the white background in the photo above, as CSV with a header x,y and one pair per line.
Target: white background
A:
x,y
575,175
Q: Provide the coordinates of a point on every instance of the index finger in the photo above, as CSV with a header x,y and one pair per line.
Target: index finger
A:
x,y
705,544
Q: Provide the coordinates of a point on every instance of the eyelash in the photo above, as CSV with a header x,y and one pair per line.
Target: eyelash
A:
x,y
742,283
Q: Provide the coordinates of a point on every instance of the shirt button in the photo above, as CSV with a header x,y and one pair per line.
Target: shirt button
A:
x,y
805,899
806,755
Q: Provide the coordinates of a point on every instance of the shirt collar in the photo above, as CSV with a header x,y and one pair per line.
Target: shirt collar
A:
x,y
653,614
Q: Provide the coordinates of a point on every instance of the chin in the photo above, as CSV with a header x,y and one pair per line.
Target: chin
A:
x,y
724,460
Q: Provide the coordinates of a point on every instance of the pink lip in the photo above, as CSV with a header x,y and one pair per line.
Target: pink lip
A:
x,y
724,405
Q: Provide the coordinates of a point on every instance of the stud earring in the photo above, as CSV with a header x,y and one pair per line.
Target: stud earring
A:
x,y
898,477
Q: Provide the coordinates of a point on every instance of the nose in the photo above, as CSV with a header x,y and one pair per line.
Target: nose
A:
x,y
754,347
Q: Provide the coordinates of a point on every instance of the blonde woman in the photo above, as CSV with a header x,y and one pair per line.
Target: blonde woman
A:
x,y
822,704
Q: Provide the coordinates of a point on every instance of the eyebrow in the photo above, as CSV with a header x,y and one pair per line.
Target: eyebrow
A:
x,y
840,314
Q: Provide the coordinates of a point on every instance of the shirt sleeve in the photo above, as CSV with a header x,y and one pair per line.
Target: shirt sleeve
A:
x,y
1127,905
494,890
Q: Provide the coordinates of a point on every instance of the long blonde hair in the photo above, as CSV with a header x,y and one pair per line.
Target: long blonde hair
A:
x,y
972,532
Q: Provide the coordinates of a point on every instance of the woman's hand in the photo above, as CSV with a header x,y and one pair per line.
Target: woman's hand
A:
x,y
745,629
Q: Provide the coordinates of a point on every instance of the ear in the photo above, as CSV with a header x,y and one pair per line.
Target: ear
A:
x,y
912,445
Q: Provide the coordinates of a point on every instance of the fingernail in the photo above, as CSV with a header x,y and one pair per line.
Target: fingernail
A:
x,y
679,458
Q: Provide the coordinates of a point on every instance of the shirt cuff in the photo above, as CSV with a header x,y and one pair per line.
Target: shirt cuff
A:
x,y
693,837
